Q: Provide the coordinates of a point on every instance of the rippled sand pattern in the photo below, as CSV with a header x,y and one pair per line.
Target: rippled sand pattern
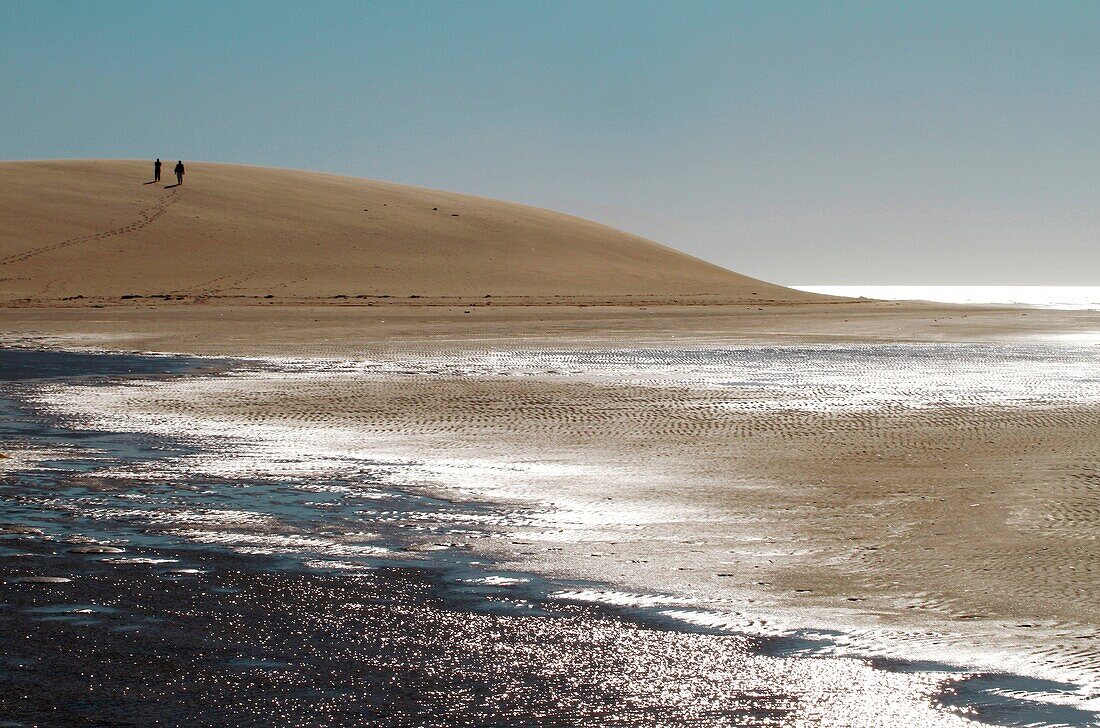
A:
x,y
944,495
138,589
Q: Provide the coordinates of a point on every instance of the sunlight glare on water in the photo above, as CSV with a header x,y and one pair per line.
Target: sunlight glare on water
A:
x,y
1062,297
355,579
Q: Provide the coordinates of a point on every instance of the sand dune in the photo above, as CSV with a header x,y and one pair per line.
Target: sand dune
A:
x,y
96,229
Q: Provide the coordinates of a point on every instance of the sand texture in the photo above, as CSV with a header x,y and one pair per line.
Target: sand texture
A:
x,y
884,468
94,229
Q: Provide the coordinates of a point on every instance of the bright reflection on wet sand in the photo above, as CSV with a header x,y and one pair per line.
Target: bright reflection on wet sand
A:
x,y
371,560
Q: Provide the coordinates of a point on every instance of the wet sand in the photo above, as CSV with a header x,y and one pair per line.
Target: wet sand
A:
x,y
955,516
138,588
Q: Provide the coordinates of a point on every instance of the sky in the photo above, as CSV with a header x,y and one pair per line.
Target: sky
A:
x,y
803,143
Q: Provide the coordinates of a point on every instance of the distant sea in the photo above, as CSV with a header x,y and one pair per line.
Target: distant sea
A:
x,y
1065,297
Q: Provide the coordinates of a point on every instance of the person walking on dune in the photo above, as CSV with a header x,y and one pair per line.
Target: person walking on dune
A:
x,y
179,172
156,170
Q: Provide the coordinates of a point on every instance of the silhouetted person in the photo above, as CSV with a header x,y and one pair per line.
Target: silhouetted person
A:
x,y
156,170
179,172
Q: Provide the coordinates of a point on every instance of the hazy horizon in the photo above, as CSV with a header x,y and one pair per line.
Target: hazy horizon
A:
x,y
850,143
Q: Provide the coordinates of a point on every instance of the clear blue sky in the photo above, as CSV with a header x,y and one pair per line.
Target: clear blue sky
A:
x,y
830,142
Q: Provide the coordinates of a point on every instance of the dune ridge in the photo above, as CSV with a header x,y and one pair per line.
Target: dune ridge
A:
x,y
76,231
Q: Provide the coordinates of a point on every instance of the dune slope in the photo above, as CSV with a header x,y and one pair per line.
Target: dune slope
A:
x,y
98,229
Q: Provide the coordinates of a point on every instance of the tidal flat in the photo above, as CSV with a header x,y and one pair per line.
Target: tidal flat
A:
x,y
534,536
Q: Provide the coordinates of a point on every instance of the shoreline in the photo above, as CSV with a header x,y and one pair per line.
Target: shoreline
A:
x,y
462,387
388,568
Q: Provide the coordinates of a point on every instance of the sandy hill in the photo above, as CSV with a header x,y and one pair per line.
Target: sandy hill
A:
x,y
100,230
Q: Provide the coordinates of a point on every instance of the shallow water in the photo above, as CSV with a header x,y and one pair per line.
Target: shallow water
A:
x,y
137,592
